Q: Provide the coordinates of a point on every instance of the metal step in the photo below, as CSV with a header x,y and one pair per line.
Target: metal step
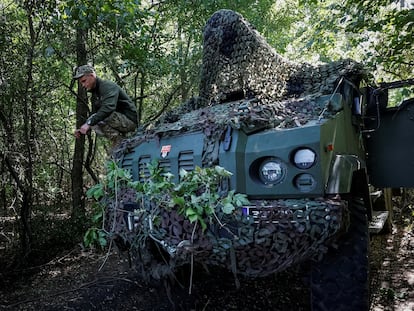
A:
x,y
378,221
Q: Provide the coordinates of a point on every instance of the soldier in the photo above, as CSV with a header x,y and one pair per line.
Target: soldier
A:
x,y
113,112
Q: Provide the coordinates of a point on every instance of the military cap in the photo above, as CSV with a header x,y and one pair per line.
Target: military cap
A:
x,y
83,70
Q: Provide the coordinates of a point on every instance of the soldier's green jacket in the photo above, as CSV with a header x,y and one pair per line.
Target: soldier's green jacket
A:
x,y
108,97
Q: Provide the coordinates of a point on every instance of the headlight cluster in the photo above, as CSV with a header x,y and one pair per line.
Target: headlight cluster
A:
x,y
273,170
304,158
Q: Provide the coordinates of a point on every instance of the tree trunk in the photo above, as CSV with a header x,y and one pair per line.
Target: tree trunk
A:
x,y
78,198
29,133
3,197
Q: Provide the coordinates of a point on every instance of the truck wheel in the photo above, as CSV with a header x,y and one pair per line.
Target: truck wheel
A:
x,y
340,281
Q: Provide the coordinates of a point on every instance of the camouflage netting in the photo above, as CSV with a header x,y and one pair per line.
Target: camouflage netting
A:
x,y
246,85
237,58
282,233
238,62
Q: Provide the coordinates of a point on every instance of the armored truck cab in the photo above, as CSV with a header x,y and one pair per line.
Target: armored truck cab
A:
x,y
307,186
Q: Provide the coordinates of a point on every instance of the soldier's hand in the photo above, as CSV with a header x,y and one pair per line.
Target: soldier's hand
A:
x,y
77,133
84,129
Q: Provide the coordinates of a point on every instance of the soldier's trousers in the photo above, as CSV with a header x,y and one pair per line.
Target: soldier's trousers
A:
x,y
115,127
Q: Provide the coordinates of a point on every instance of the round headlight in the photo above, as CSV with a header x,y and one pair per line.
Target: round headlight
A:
x,y
304,158
272,171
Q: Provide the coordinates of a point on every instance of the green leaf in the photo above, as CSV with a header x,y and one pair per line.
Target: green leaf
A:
x,y
241,199
178,201
199,209
192,217
195,199
102,238
98,216
221,171
228,208
87,238
183,173
102,242
203,224
96,192
190,212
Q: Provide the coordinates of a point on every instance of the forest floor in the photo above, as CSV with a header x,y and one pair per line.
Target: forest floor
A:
x,y
87,280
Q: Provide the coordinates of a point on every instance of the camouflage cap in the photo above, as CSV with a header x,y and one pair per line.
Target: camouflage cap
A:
x,y
83,70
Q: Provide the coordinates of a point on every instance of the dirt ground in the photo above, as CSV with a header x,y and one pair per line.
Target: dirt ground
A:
x,y
86,280
392,266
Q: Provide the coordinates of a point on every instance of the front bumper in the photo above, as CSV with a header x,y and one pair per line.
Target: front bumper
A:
x,y
258,240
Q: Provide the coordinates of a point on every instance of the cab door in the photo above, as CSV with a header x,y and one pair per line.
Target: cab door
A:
x,y
389,140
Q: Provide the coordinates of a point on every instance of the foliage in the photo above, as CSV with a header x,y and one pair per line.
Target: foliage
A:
x,y
391,28
115,179
197,196
379,34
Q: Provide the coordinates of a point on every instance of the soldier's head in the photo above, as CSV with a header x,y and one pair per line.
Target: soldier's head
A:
x,y
86,75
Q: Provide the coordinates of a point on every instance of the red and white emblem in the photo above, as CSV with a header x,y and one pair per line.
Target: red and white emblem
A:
x,y
165,150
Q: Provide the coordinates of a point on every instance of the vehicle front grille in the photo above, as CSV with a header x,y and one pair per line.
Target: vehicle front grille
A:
x,y
165,165
127,163
186,160
143,169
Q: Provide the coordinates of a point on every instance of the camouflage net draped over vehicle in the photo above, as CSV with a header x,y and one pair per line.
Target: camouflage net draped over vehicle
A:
x,y
237,61
244,85
237,58
281,233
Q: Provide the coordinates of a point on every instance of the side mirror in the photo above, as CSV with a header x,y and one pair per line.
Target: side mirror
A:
x,y
376,100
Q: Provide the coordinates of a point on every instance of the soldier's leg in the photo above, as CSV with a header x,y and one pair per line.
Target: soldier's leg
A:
x,y
115,127
120,122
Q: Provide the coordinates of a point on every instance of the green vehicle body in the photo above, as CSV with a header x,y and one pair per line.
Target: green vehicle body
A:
x,y
342,143
320,208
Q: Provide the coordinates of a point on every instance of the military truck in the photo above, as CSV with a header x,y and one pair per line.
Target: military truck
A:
x,y
305,143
